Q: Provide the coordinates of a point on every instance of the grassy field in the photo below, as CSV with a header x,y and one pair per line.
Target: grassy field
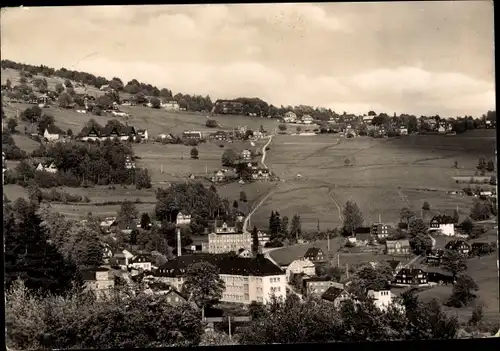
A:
x,y
386,175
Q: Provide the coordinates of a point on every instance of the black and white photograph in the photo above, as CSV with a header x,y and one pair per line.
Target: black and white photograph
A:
x,y
247,174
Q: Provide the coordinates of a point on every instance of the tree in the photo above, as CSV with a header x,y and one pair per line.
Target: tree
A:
x,y
235,205
274,224
255,241
456,217
453,262
420,244
104,102
194,153
68,83
406,214
298,129
155,102
65,100
284,226
282,127
477,314
34,194
480,211
467,226
490,167
211,123
426,206
127,213
295,227
142,178
243,196
462,293
372,113
202,284
229,157
481,164
455,164
145,221
59,88
417,227
353,218
11,125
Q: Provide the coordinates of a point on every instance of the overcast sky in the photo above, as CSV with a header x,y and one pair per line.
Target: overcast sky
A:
x,y
407,57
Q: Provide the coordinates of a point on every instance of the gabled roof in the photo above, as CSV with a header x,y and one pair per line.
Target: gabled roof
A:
x,y
393,264
332,293
312,252
412,272
52,129
455,244
392,243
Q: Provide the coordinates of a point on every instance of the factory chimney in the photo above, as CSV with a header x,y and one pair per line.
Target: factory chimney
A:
x,y
179,242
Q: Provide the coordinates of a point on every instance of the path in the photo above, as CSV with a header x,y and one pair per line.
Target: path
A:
x,y
267,255
412,261
245,223
264,151
339,206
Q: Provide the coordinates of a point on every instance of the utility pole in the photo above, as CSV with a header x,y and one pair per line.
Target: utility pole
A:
x,y
347,270
229,320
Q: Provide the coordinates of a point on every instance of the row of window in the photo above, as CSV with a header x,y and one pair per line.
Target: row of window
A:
x,y
236,297
275,280
275,289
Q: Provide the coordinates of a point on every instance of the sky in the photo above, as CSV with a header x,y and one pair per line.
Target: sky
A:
x,y
422,58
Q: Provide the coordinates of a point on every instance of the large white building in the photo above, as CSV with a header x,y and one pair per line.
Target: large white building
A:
x,y
246,279
383,299
227,237
302,265
443,224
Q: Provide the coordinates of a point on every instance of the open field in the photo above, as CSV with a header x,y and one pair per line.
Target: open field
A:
x,y
386,175
25,143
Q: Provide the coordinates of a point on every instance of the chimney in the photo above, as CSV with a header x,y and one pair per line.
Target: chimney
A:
x,y
179,242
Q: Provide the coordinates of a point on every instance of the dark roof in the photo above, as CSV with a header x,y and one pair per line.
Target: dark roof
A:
x,y
332,293
455,244
312,252
141,258
443,219
90,273
317,279
363,236
393,263
226,263
219,222
412,272
362,230
52,129
108,130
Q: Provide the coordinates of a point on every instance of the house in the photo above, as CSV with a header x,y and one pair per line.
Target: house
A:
x,y
143,134
368,119
105,87
253,165
47,167
307,119
302,265
240,216
443,224
129,164
383,299
168,136
171,106
290,117
397,247
263,238
51,133
98,280
459,246
245,253
395,265
440,278
119,113
336,295
107,223
218,177
246,279
140,262
315,255
246,154
199,244
192,135
403,130
442,128
316,286
183,219
106,252
124,258
219,135
260,174
411,276
173,296
380,230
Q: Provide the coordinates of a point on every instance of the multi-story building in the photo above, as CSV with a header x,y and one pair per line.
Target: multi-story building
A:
x,y
98,280
411,276
246,279
183,219
397,247
316,286
459,246
383,299
302,265
380,230
228,236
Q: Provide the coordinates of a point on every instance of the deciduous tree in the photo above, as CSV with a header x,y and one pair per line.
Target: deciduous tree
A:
x,y
453,262
295,227
255,241
406,215
463,291
229,157
194,153
353,218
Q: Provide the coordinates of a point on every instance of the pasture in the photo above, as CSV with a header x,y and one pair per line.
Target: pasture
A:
x,y
384,175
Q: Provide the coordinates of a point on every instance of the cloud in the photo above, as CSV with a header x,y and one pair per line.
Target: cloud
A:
x,y
348,57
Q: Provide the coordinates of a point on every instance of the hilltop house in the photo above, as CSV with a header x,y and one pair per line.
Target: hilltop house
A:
x,y
246,154
411,276
403,130
98,280
368,119
171,106
397,247
140,262
246,279
290,117
315,255
47,167
107,224
302,265
336,295
307,119
443,224
51,133
383,299
183,219
459,246
190,134
260,174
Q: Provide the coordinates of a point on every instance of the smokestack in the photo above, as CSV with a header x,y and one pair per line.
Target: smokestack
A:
x,y
179,242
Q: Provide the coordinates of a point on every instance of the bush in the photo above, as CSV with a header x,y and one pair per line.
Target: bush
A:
x,y
212,123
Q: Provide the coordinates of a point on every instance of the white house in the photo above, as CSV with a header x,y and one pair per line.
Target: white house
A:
x,y
403,130
119,114
290,117
306,119
183,219
302,265
368,119
48,167
81,111
140,262
383,299
51,133
246,154
143,134
443,224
